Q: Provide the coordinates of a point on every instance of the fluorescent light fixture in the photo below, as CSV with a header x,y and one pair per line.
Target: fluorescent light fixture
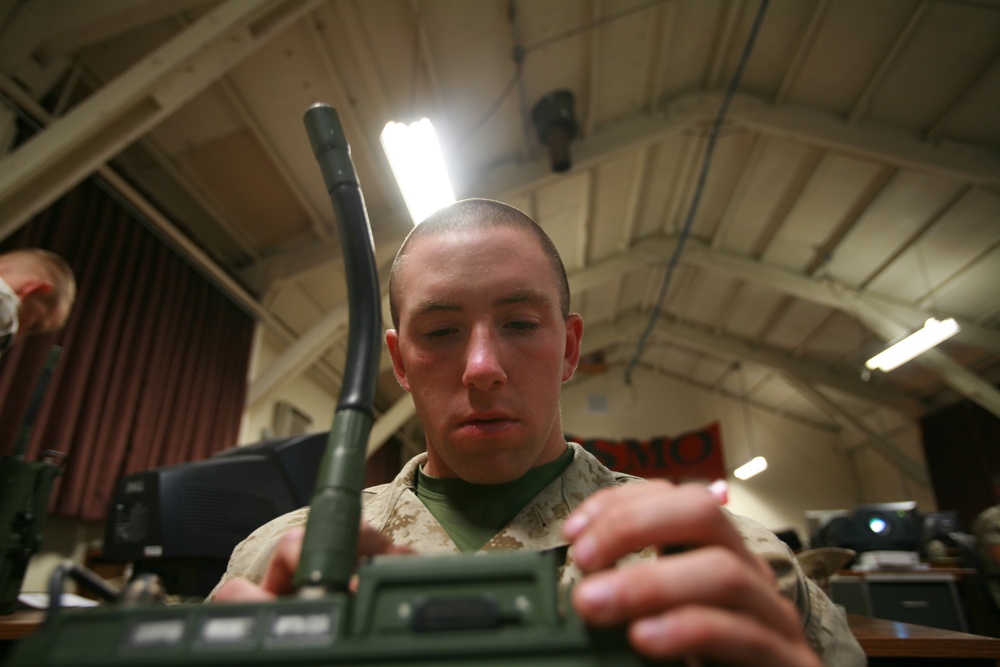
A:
x,y
417,163
933,332
754,466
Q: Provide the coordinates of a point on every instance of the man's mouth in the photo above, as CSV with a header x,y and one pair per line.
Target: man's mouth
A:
x,y
487,423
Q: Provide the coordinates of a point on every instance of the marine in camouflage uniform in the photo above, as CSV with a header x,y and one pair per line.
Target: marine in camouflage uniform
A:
x,y
395,511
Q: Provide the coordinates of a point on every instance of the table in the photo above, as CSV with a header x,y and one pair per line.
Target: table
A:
x,y
923,597
16,626
20,624
897,643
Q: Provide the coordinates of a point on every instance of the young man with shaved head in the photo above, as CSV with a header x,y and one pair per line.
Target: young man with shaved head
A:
x,y
483,339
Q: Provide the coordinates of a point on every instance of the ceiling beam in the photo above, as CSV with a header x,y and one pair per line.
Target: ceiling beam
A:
x,y
389,422
300,355
877,312
802,375
370,124
874,83
36,43
888,318
965,163
970,164
306,255
608,141
629,328
51,163
320,227
60,27
882,445
825,292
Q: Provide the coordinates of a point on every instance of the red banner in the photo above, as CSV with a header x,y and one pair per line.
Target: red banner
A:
x,y
693,456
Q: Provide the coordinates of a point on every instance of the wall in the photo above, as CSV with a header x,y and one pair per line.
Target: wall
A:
x,y
808,467
305,394
879,480
62,539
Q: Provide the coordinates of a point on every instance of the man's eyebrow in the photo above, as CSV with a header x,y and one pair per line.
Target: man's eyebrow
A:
x,y
529,296
433,306
523,296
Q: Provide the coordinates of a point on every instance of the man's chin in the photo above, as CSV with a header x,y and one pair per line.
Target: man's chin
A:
x,y
492,468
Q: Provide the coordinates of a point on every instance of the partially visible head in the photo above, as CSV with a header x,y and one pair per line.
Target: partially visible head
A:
x,y
476,214
44,283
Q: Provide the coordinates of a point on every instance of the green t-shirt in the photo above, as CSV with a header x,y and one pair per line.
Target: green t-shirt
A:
x,y
474,513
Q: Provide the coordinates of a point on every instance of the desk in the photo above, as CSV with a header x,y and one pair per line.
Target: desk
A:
x,y
20,624
896,643
929,597
15,626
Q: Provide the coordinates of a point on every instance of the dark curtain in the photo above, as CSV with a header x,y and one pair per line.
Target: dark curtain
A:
x,y
154,362
962,447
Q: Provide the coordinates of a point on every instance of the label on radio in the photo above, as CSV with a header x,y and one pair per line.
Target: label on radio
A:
x,y
305,627
156,633
228,630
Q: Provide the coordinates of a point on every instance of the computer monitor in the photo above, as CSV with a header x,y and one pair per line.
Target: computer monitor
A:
x,y
182,522
875,527
941,525
817,520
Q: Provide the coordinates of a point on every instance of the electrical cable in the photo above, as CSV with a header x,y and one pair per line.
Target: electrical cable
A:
x,y
518,71
699,188
607,18
520,53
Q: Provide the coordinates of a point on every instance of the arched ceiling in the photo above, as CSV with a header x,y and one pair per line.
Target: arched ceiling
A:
x,y
854,187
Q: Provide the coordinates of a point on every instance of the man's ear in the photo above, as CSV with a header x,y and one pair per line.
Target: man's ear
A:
x,y
574,338
34,287
392,342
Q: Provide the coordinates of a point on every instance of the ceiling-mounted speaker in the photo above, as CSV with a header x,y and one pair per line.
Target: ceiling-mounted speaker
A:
x,y
555,123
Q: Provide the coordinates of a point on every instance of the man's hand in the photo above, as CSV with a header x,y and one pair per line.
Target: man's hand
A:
x,y
281,568
710,597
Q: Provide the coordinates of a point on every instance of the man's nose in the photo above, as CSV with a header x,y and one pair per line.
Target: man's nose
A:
x,y
483,367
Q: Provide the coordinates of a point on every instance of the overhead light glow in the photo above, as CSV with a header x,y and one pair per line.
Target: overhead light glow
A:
x,y
933,332
417,164
754,466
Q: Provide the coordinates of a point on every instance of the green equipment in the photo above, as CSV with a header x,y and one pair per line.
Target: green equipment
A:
x,y
25,488
408,610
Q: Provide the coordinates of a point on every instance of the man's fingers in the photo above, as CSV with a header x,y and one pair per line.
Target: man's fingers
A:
x,y
718,635
241,590
616,522
706,594
709,576
284,560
